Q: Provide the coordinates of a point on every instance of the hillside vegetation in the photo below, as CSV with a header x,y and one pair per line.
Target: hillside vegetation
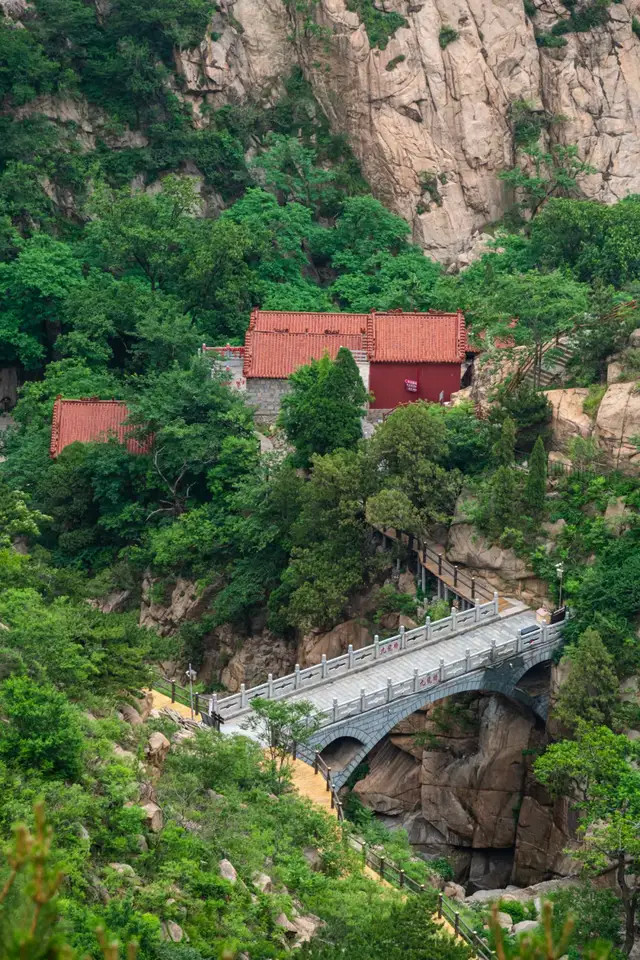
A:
x,y
117,261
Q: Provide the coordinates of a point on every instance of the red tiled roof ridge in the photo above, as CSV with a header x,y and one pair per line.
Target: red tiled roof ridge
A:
x,y
388,336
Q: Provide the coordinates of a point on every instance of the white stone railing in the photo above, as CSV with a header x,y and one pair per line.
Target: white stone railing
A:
x,y
544,637
328,670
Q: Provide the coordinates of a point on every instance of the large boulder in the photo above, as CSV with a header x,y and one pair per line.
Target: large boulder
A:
x,y
152,816
186,601
568,419
469,548
546,829
157,749
172,931
392,785
470,800
333,643
258,656
130,714
114,602
228,871
617,423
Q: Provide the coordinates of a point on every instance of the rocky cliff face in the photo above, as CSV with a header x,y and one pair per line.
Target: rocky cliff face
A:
x,y
416,109
463,789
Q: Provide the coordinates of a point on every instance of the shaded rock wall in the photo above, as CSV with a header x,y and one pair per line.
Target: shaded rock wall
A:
x,y
463,789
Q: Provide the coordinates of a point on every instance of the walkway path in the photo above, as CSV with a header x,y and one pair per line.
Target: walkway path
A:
x,y
160,701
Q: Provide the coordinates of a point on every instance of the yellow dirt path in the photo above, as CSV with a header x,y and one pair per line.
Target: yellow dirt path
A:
x,y
160,701
313,786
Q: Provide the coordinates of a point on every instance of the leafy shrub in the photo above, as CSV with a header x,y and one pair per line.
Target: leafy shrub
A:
x,y
582,18
527,122
530,8
391,600
631,359
396,60
519,911
442,867
379,24
550,40
438,610
514,908
447,35
529,409
592,402
635,26
41,728
429,184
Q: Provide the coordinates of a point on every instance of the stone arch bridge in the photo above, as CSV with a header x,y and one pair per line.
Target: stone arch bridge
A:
x,y
363,694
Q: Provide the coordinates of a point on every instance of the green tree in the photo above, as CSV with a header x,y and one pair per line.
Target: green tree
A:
x,y
324,408
191,413
363,229
544,303
536,486
504,447
406,281
528,408
546,174
16,517
332,550
33,288
290,169
280,724
597,242
409,448
599,770
124,324
141,234
41,728
590,692
414,432
502,502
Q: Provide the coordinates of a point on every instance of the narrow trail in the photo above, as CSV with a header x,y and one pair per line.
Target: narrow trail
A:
x,y
308,784
313,786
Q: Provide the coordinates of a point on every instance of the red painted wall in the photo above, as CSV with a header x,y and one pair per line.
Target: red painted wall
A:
x,y
386,382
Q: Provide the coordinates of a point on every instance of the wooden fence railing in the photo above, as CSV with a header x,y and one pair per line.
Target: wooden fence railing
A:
x,y
389,871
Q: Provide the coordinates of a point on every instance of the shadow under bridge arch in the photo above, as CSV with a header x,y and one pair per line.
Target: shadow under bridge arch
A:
x,y
344,744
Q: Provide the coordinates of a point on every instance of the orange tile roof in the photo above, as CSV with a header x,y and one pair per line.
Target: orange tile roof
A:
x,y
419,338
92,420
278,355
291,321
278,342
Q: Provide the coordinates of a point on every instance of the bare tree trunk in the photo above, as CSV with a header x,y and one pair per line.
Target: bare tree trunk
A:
x,y
629,904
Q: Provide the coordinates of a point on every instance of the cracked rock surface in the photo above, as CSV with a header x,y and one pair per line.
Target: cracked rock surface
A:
x,y
439,112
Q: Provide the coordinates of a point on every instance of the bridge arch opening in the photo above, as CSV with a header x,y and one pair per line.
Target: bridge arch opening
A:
x,y
340,752
455,775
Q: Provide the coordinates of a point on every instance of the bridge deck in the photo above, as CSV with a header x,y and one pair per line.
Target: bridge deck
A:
x,y
375,676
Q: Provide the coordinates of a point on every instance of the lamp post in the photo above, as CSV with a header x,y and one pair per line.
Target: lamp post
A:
x,y
560,574
191,675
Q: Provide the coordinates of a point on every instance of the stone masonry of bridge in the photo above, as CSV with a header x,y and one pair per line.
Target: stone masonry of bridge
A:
x,y
364,694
